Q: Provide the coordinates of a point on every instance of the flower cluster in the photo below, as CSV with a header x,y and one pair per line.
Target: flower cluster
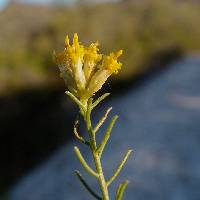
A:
x,y
84,69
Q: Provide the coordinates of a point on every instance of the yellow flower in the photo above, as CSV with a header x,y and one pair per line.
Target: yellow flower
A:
x,y
110,62
91,58
83,69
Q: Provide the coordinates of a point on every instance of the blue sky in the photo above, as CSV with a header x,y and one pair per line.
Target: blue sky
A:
x,y
44,1
2,3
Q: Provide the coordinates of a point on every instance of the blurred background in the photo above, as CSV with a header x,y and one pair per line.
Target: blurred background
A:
x,y
36,118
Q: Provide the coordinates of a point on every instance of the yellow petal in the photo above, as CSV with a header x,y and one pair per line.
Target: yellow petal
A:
x,y
67,41
96,82
91,58
79,75
110,62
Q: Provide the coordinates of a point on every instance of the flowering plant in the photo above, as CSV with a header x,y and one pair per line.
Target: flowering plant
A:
x,y
84,71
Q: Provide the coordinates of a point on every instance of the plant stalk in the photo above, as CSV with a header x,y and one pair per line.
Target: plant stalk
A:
x,y
101,178
98,166
96,155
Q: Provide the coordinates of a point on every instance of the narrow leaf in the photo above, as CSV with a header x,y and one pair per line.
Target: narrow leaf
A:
x,y
101,98
88,113
81,139
75,99
84,163
102,120
88,188
119,168
107,135
121,189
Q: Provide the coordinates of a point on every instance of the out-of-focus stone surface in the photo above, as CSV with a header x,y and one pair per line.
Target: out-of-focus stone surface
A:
x,y
161,122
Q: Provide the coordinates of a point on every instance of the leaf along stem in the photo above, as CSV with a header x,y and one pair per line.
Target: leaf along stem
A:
x,y
80,138
121,189
88,114
119,168
101,98
88,188
107,135
84,163
81,106
102,120
85,110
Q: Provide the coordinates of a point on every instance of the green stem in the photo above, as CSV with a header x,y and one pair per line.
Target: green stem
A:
x,y
96,155
101,178
98,166
86,109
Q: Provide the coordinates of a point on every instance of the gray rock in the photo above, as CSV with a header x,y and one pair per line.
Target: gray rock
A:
x,y
161,122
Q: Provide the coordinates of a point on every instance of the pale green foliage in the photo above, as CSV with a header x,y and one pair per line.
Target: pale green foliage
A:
x,y
97,149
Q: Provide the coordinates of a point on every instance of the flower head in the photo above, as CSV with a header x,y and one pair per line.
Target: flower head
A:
x,y
110,62
83,69
91,58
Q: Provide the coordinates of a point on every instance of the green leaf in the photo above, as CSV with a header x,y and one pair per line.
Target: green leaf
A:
x,y
84,163
107,135
118,170
121,189
102,120
75,99
101,98
88,188
80,138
